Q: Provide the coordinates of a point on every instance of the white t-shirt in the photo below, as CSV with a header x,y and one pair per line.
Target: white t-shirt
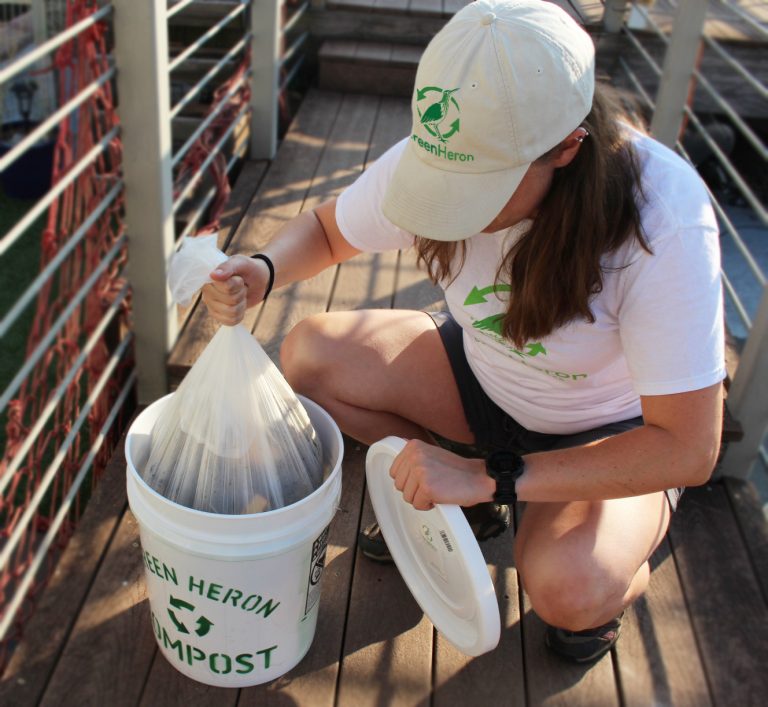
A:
x,y
658,321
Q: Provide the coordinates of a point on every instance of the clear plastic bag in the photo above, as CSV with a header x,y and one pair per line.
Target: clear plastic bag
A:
x,y
234,438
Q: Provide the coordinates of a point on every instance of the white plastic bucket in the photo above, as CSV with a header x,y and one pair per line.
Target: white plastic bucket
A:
x,y
233,598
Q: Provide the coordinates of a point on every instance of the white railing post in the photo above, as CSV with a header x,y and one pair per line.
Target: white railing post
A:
x,y
748,397
265,81
141,52
613,14
679,64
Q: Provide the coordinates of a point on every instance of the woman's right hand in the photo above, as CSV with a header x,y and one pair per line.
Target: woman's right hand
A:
x,y
238,283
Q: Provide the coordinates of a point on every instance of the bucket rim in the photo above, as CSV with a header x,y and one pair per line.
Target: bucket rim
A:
x,y
275,512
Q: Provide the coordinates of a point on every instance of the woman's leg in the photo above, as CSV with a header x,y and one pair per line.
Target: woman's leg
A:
x,y
378,373
582,563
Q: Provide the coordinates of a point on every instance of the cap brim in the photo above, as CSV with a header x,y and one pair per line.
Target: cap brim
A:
x,y
446,206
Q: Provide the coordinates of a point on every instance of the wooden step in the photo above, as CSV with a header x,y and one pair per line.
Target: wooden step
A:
x,y
381,68
427,8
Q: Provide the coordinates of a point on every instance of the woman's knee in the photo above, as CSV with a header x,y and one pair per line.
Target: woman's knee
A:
x,y
304,353
570,592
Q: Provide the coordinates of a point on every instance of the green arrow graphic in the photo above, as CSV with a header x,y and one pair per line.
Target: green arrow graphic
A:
x,y
454,129
422,92
535,349
492,323
180,604
203,626
477,296
180,627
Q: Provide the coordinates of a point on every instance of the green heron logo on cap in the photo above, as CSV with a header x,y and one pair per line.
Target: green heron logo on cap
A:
x,y
440,118
438,111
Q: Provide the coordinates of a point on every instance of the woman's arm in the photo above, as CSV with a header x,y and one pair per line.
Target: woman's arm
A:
x,y
677,446
305,246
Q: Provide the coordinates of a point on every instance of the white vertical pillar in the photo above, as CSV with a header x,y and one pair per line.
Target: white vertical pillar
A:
x,y
265,82
679,64
141,52
44,102
613,14
748,397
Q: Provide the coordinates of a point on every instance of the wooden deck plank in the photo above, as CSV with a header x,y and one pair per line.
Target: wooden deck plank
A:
x,y
368,280
498,677
657,658
747,508
279,199
551,680
341,162
166,686
313,681
201,327
111,649
728,610
388,646
33,662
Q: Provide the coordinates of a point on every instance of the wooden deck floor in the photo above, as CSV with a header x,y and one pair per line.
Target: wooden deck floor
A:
x,y
699,636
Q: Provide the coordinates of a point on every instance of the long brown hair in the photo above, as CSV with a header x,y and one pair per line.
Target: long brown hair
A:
x,y
590,209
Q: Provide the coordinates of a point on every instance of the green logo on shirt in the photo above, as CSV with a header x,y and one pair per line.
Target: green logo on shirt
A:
x,y
491,326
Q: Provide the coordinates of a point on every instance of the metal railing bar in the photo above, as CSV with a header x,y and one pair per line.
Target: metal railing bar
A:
x,y
61,254
18,65
178,7
722,215
206,200
736,300
741,246
202,39
292,73
746,131
211,73
737,66
640,48
85,161
732,230
179,155
41,348
45,127
211,156
289,54
747,18
636,84
61,452
60,390
20,594
295,17
726,164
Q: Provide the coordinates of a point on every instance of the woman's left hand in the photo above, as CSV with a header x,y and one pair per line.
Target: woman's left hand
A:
x,y
428,475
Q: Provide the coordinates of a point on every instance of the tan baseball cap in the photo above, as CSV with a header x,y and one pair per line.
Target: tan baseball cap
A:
x,y
501,84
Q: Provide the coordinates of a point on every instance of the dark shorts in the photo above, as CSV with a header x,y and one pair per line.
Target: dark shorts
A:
x,y
493,428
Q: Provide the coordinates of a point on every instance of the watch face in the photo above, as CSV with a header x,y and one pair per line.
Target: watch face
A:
x,y
500,462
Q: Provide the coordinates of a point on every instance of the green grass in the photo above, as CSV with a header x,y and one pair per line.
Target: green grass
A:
x,y
19,265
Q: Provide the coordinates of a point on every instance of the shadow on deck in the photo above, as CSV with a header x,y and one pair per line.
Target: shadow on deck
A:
x,y
698,637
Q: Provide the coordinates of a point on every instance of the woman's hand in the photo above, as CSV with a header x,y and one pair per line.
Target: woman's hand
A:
x,y
428,475
238,283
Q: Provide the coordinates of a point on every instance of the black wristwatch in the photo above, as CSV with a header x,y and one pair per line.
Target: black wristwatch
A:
x,y
505,468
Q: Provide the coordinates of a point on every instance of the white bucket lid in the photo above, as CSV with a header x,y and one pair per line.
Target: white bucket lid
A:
x,y
438,557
